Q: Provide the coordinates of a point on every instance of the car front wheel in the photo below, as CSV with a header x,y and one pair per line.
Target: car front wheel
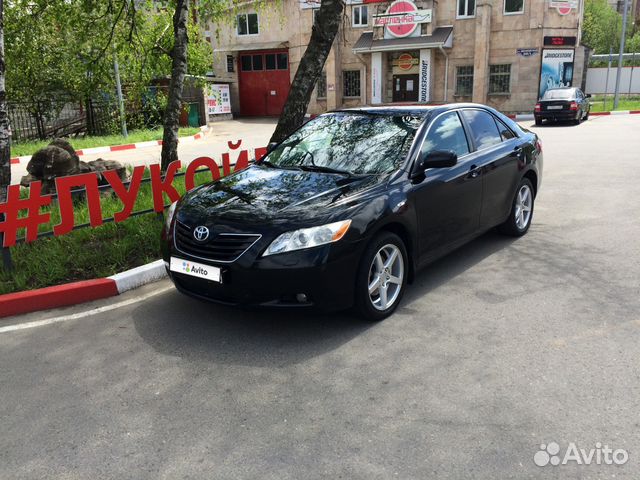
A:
x,y
382,277
521,213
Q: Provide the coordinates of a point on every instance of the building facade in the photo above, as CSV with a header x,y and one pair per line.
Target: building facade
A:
x,y
504,53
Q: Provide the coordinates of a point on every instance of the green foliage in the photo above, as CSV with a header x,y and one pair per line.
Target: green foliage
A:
x,y
68,46
602,28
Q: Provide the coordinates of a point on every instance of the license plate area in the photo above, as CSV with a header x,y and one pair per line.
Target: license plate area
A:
x,y
554,107
195,269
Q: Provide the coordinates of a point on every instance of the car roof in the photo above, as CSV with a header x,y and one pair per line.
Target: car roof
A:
x,y
409,109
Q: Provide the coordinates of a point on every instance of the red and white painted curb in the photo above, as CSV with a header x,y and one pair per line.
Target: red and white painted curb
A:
x,y
616,112
80,292
119,148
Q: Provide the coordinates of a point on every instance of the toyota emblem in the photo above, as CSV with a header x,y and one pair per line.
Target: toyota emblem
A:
x,y
201,233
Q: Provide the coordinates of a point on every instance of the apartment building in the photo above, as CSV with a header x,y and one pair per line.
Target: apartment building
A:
x,y
504,53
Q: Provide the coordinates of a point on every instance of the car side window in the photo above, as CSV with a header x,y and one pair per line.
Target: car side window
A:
x,y
483,128
446,133
505,132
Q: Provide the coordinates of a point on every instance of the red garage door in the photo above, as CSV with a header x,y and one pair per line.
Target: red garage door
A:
x,y
264,82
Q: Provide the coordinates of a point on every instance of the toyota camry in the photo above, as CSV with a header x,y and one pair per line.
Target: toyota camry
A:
x,y
347,209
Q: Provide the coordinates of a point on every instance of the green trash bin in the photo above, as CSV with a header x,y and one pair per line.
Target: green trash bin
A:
x,y
194,115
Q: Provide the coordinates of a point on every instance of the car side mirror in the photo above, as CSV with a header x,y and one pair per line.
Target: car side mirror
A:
x,y
271,147
588,95
434,159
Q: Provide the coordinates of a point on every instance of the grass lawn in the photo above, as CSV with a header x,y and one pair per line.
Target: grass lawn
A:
x,y
625,103
29,148
89,252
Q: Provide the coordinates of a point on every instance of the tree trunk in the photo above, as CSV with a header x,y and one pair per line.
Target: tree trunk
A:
x,y
5,129
322,35
178,72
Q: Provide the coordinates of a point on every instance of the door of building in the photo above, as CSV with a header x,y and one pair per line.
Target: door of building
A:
x,y
405,88
264,81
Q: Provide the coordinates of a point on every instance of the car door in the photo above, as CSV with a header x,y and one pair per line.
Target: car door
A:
x,y
499,153
447,200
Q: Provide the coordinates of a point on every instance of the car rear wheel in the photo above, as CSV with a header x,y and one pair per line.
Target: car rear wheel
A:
x,y
521,213
382,277
538,121
578,118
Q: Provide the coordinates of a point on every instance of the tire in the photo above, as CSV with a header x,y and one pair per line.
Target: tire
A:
x,y
517,225
586,117
538,121
578,119
368,305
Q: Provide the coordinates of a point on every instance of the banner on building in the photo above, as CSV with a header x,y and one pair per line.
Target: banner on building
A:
x,y
557,69
218,99
425,75
402,19
564,7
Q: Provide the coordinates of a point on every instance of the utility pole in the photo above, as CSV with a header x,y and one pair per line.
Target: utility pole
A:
x,y
123,119
620,57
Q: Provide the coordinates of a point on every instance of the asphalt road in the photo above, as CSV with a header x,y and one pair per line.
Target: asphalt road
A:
x,y
500,347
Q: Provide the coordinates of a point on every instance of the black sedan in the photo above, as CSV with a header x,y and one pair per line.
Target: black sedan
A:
x,y
347,209
567,104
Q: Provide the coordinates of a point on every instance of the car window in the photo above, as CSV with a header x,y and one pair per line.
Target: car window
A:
x,y
558,94
505,132
358,143
483,128
446,133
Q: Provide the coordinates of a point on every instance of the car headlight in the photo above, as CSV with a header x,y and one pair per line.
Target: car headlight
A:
x,y
168,214
308,237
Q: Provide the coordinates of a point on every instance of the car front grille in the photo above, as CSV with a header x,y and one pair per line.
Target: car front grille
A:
x,y
223,247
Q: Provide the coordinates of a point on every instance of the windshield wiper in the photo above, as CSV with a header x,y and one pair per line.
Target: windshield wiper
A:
x,y
267,163
320,168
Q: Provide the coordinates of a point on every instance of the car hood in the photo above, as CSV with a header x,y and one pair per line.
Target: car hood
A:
x,y
261,194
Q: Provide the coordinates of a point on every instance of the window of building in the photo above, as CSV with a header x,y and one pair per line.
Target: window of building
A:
x,y
351,83
257,62
248,24
230,63
360,16
283,61
512,7
483,128
321,86
500,78
245,63
446,133
466,9
464,80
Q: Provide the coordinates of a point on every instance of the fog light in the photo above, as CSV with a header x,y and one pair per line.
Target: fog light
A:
x,y
301,298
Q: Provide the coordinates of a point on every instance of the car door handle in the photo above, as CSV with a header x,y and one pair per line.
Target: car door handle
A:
x,y
518,152
474,171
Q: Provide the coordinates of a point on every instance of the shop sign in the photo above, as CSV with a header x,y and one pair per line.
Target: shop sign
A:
x,y
402,18
564,7
218,100
526,52
559,41
405,62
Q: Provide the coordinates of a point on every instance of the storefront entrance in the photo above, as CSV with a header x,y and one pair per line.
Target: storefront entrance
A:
x,y
405,88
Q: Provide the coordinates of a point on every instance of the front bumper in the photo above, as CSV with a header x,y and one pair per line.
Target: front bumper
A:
x,y
325,275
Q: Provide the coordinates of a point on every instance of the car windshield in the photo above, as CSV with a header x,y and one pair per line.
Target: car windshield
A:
x,y
560,94
345,142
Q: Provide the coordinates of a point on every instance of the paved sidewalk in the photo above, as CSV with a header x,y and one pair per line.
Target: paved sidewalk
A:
x,y
254,133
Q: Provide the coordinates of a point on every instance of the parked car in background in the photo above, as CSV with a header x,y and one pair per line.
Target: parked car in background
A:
x,y
344,211
567,104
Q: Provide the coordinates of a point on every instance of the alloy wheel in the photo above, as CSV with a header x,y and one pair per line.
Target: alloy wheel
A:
x,y
386,276
524,205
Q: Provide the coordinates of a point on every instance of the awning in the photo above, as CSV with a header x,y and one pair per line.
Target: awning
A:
x,y
252,46
441,37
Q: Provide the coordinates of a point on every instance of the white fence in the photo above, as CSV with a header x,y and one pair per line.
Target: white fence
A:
x,y
597,80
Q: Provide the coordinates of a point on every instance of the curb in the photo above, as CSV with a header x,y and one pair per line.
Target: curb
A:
x,y
119,148
80,292
616,112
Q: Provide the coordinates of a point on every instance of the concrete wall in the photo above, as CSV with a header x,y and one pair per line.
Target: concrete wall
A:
x,y
597,80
